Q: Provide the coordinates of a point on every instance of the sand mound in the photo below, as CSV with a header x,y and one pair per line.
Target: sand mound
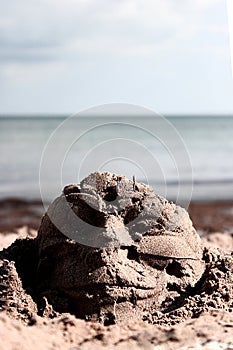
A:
x,y
111,251
139,250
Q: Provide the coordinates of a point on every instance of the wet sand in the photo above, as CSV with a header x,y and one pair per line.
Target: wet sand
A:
x,y
206,216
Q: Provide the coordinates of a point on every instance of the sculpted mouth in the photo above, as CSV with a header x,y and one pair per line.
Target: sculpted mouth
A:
x,y
106,288
105,293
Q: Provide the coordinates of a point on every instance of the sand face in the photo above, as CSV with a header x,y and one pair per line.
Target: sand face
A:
x,y
161,279
139,250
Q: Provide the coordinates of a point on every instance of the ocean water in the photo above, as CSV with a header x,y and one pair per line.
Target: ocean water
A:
x,y
183,158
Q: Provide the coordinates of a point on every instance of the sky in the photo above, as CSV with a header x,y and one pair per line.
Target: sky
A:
x,y
63,56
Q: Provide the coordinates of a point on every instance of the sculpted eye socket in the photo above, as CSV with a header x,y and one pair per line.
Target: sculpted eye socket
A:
x,y
174,268
156,262
110,194
171,266
132,253
160,264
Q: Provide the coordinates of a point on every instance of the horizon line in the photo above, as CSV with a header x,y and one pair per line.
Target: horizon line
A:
x,y
65,115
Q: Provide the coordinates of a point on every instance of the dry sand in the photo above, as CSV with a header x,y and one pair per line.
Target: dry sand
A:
x,y
201,319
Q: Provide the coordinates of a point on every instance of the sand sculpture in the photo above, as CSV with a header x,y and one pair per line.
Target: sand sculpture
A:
x,y
111,249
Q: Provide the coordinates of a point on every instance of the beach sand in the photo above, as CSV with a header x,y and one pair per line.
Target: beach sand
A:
x,y
210,328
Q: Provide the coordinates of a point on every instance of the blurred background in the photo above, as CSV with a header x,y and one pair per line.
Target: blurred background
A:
x,y
58,58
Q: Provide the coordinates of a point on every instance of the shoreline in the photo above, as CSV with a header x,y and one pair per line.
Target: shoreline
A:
x,y
208,216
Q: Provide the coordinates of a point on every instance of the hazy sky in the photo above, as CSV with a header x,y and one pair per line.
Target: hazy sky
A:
x,y
63,56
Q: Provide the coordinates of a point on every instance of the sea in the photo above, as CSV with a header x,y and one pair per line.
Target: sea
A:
x,y
183,158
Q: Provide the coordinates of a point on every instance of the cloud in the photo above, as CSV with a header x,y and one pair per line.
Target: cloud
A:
x,y
205,4
51,30
61,55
